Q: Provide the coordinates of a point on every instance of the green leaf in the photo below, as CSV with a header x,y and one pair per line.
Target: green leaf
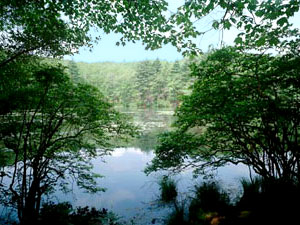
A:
x,y
215,25
233,20
261,41
282,21
259,13
238,40
227,24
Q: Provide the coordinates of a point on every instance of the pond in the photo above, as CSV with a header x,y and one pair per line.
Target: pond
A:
x,y
132,194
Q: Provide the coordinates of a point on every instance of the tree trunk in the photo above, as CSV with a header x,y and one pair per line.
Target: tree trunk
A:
x,y
31,209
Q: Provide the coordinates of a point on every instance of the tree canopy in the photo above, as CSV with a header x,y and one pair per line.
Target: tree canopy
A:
x,y
260,24
244,108
56,28
51,128
145,84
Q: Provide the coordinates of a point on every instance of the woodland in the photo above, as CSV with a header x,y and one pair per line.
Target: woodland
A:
x,y
234,104
145,84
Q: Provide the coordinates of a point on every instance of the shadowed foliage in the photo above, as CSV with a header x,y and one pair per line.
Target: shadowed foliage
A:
x,y
65,214
51,129
168,190
244,108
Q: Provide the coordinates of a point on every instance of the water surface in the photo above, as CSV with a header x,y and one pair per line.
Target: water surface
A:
x,y
132,194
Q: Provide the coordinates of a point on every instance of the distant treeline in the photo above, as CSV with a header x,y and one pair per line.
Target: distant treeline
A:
x,y
139,84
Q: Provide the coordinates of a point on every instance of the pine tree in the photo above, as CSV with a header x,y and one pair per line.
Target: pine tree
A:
x,y
175,83
160,84
157,66
74,72
144,82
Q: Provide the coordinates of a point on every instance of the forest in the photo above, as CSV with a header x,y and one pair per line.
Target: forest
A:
x,y
146,84
233,105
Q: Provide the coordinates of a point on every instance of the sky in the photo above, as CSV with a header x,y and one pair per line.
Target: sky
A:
x,y
107,51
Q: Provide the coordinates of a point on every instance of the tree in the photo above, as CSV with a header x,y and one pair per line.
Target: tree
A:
x,y
56,28
74,72
175,83
126,92
244,108
158,88
144,82
260,24
157,66
52,129
237,111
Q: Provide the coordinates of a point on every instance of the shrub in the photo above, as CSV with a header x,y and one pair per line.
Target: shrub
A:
x,y
209,202
64,214
168,190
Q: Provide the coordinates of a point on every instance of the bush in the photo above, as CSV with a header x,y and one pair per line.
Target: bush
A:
x,y
210,202
168,190
58,214
263,202
64,214
177,217
269,201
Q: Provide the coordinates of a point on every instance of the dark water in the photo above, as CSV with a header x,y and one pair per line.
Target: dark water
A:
x,y
132,194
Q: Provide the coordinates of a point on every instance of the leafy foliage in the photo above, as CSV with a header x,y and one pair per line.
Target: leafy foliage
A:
x,y
209,197
52,128
244,108
56,28
145,84
207,202
64,214
261,202
74,72
261,24
268,201
168,190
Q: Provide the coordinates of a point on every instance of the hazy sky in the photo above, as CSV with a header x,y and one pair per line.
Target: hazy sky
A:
x,y
106,49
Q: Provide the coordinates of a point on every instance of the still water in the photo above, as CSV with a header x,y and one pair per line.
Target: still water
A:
x,y
130,193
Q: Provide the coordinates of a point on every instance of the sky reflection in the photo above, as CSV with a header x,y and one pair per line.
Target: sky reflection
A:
x,y
131,193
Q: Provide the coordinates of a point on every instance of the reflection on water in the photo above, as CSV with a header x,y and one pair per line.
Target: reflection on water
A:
x,y
130,193
129,190
151,123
